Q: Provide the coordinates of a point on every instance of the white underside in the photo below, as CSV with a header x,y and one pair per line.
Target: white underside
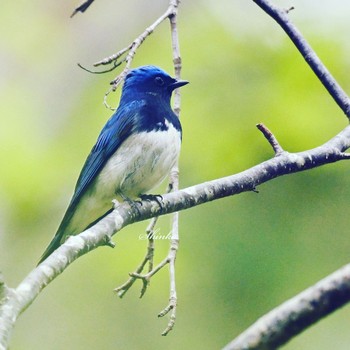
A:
x,y
140,164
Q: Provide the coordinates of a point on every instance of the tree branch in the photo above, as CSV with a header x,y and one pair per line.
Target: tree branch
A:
x,y
292,317
134,45
281,324
310,56
130,51
101,234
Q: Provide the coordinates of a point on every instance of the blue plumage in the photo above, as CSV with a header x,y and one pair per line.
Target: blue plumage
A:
x,y
134,152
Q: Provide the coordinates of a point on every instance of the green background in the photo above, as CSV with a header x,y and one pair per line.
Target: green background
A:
x,y
239,257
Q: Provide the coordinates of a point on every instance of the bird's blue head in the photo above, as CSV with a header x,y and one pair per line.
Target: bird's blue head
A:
x,y
150,80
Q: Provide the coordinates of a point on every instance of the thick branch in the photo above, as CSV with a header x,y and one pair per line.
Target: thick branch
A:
x,y
310,56
292,317
123,215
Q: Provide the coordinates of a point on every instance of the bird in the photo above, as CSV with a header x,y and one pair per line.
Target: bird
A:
x,y
134,152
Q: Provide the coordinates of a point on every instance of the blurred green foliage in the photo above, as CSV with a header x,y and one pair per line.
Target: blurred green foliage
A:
x,y
239,257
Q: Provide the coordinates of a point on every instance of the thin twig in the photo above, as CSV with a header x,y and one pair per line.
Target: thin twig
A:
x,y
114,57
105,99
270,137
174,246
145,278
174,180
150,236
115,65
132,48
150,232
310,56
122,289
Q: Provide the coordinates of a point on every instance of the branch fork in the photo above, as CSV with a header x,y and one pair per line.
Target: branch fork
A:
x,y
130,51
146,278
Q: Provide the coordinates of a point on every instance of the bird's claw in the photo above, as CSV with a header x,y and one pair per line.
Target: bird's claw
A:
x,y
152,197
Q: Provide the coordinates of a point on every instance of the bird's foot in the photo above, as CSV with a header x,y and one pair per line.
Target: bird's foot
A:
x,y
152,197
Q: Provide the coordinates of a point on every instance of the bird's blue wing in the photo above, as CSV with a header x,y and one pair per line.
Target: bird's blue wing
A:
x,y
117,129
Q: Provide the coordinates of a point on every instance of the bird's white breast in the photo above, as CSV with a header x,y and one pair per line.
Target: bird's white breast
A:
x,y
141,163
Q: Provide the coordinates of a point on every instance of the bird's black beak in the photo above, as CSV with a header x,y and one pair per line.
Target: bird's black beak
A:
x,y
177,84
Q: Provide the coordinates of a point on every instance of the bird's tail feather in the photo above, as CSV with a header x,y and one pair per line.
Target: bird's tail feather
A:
x,y
57,240
54,244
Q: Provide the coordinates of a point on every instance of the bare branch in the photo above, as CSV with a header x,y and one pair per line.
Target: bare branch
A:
x,y
132,48
310,56
292,317
121,290
171,307
115,65
101,233
174,180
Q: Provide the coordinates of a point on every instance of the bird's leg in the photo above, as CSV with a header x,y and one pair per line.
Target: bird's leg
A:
x,y
124,197
133,204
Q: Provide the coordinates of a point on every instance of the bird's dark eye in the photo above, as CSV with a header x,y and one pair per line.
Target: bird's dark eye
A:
x,y
159,81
